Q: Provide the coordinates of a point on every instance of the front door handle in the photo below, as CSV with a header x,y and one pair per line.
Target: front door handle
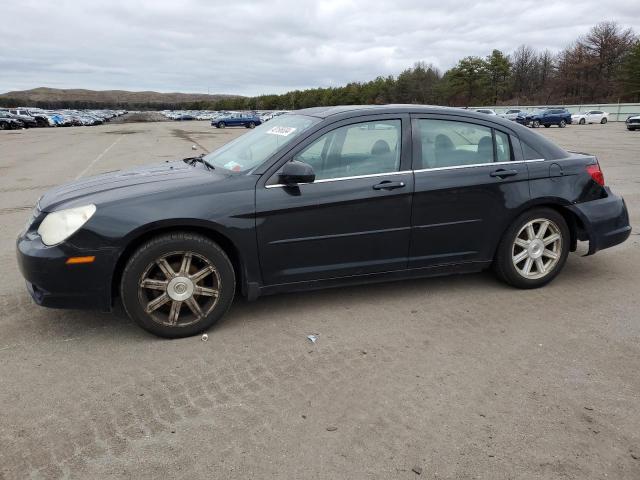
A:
x,y
387,185
502,173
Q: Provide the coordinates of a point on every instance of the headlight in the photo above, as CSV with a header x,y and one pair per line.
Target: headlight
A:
x,y
60,225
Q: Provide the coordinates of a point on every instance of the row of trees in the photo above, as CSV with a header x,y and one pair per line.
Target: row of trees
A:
x,y
599,67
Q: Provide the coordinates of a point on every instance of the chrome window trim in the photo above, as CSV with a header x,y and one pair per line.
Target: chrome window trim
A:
x,y
372,175
474,165
354,177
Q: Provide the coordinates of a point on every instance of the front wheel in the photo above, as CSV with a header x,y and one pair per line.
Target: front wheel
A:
x,y
177,284
534,249
536,123
251,125
562,124
582,121
220,125
603,121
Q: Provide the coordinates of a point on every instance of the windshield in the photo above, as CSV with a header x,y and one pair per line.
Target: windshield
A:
x,y
253,148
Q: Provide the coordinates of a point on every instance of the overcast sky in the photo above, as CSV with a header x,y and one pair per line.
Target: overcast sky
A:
x,y
249,48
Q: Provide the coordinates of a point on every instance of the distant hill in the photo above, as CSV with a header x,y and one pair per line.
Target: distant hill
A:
x,y
59,98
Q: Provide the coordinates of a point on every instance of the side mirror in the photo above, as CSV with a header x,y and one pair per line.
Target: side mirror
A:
x,y
295,172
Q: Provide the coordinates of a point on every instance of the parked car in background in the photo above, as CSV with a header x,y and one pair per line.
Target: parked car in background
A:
x,y
486,111
265,117
591,116
7,122
512,114
633,122
41,119
27,120
547,117
237,120
323,197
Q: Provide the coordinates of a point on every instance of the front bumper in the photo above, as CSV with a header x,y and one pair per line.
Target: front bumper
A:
x,y
605,221
53,283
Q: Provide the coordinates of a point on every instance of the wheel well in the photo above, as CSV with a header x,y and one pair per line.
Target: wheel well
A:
x,y
224,243
576,227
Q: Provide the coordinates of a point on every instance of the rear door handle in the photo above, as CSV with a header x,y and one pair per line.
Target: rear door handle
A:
x,y
388,185
502,173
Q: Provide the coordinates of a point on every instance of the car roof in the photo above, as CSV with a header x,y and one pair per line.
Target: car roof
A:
x,y
324,112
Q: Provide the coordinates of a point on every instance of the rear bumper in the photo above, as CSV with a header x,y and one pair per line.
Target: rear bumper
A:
x,y
605,221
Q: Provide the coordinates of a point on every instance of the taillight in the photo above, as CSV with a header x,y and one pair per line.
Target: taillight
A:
x,y
596,173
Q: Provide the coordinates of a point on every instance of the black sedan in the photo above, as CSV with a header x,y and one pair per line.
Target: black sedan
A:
x,y
318,198
26,120
8,122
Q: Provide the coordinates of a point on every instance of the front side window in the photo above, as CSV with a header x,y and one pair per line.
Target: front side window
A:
x,y
448,143
360,149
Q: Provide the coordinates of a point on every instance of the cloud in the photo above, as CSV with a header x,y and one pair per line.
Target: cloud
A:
x,y
253,47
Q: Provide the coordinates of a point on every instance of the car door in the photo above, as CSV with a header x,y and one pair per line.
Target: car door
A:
x,y
469,181
354,219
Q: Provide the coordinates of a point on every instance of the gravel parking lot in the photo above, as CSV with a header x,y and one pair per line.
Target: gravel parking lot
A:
x,y
455,377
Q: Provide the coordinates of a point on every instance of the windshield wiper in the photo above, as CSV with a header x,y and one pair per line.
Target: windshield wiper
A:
x,y
199,158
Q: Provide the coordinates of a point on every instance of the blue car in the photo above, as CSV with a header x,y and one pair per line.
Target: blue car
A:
x,y
237,120
547,117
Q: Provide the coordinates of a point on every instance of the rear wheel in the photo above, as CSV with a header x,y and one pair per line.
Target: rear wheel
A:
x,y
177,285
603,121
534,249
562,124
251,125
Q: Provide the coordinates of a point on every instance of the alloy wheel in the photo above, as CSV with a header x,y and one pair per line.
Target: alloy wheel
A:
x,y
179,289
537,248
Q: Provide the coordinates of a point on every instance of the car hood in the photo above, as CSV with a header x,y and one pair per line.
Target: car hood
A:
x,y
131,183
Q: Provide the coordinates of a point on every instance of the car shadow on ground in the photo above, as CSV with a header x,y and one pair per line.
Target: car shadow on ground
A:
x,y
78,323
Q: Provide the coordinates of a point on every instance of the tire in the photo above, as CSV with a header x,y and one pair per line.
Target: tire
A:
x,y
513,271
251,125
603,121
562,124
177,295
220,125
536,123
582,121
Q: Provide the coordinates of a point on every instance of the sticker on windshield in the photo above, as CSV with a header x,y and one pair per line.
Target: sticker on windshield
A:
x,y
282,131
233,166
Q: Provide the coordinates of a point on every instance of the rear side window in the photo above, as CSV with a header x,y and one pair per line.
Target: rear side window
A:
x,y
447,143
503,148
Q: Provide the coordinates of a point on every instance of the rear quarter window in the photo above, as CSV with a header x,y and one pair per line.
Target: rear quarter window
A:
x,y
529,152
